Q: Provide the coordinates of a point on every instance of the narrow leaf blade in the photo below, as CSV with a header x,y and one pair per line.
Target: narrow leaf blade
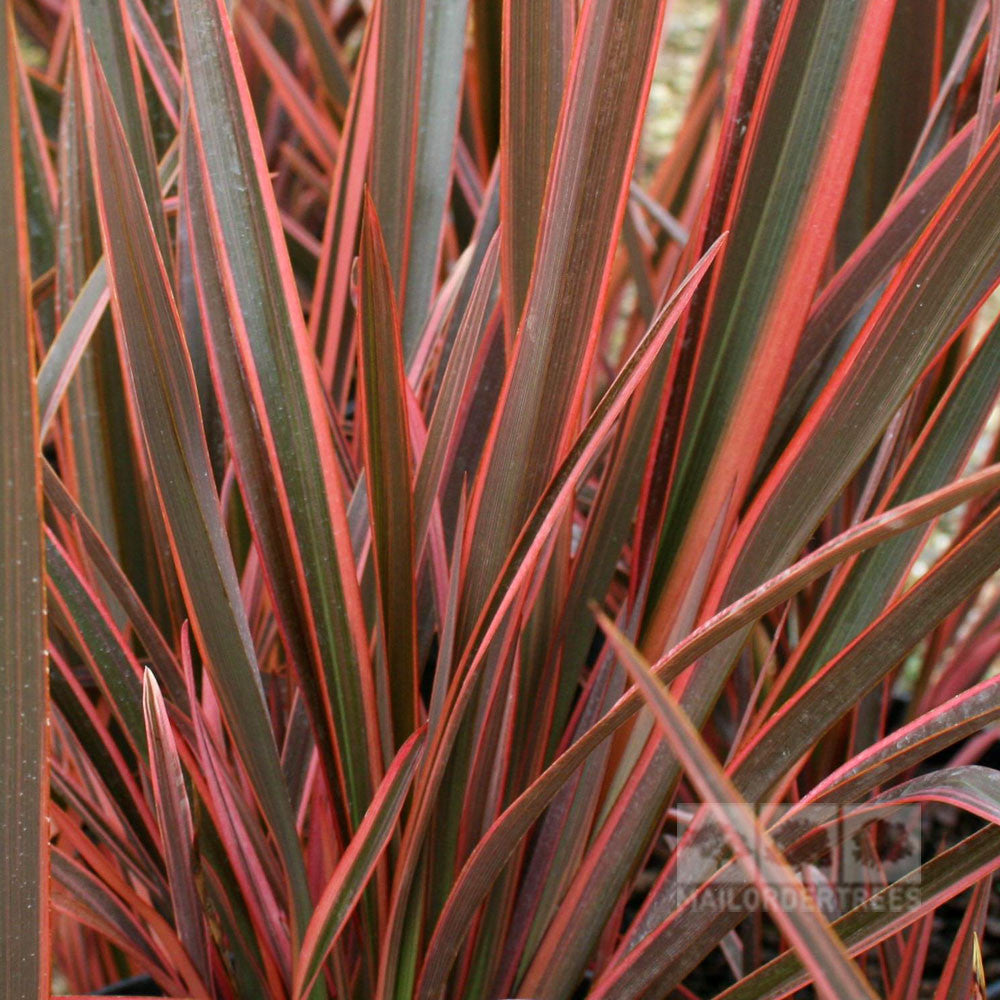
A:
x,y
357,863
161,384
24,963
835,975
388,470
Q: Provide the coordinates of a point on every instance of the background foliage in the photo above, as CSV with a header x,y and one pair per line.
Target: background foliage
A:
x,y
430,493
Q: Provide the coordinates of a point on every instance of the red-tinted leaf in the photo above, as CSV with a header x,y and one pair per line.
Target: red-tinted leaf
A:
x,y
945,876
24,958
581,216
538,41
388,469
173,814
357,863
273,386
161,386
834,975
489,857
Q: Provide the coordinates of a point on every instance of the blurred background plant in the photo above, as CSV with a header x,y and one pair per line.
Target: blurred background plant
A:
x,y
492,488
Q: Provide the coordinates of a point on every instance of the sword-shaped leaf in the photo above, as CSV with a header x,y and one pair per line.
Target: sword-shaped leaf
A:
x,y
161,387
388,470
272,401
357,863
835,975
24,955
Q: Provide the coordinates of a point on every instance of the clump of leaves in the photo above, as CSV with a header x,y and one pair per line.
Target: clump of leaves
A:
x,y
450,552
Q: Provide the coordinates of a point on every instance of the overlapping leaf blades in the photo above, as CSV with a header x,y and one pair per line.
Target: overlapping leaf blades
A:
x,y
373,348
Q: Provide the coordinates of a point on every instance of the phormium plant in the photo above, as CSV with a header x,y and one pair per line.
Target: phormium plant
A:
x,y
451,551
